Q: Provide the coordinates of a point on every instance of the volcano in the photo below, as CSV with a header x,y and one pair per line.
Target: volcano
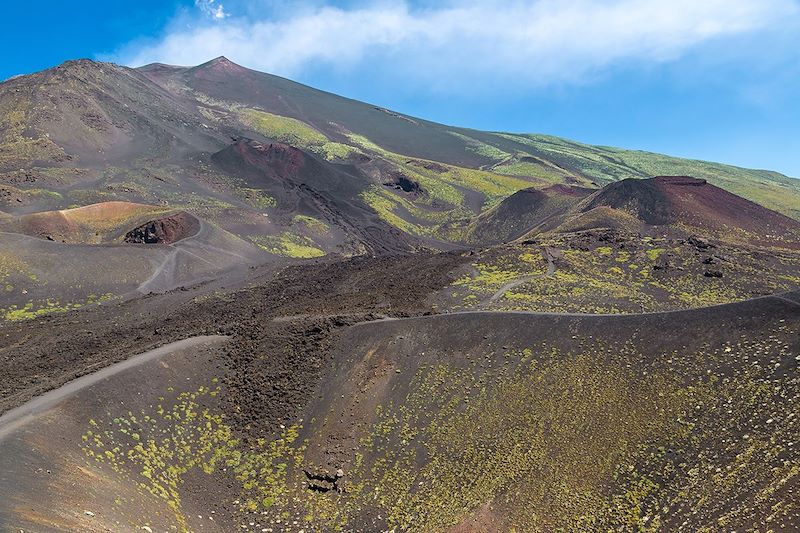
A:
x,y
232,302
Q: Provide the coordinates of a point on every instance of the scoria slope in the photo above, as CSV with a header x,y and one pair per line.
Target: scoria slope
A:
x,y
312,412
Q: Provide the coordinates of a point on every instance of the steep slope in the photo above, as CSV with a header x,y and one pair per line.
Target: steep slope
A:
x,y
322,174
223,81
674,205
84,113
564,160
255,393
229,89
86,132
498,422
304,186
524,212
689,205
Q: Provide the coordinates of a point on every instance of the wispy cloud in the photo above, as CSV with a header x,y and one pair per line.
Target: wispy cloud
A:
x,y
212,9
527,43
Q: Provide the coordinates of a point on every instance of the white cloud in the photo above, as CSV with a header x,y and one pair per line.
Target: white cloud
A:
x,y
527,43
211,8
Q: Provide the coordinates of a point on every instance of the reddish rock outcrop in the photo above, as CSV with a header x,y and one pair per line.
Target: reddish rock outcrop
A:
x,y
165,230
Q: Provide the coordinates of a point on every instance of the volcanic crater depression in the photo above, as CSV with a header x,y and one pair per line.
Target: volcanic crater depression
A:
x,y
165,230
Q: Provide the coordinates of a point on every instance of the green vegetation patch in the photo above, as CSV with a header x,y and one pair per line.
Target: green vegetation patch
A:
x,y
386,204
481,148
602,438
256,198
296,133
50,306
603,164
283,129
442,210
10,266
637,277
521,439
312,224
288,244
17,146
157,448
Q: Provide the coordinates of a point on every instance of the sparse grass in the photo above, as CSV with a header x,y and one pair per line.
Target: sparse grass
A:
x,y
296,133
11,265
605,279
256,198
314,225
204,206
50,306
385,204
288,244
283,129
526,168
442,209
444,185
481,148
16,117
603,439
157,448
464,437
495,187
603,164
106,217
599,438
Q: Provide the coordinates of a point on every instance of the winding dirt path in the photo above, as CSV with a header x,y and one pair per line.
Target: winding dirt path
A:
x,y
25,413
551,268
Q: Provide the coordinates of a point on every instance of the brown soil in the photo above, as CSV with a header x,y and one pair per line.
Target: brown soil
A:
x,y
308,364
676,200
280,361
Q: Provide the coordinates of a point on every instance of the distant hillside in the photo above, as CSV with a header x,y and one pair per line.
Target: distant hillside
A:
x,y
542,157
299,172
679,205
557,157
524,212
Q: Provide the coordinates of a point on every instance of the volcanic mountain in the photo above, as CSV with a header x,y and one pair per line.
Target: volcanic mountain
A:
x,y
304,186
232,302
295,172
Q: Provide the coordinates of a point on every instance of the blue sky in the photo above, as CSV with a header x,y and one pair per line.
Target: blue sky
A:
x,y
710,79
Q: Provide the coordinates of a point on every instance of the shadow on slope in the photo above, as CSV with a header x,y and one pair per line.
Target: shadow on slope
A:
x,y
524,212
675,205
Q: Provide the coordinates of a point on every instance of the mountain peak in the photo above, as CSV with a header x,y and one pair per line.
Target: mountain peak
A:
x,y
223,62
80,68
77,65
